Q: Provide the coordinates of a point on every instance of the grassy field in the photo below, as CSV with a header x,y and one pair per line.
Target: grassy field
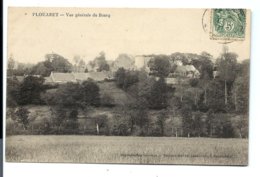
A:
x,y
134,150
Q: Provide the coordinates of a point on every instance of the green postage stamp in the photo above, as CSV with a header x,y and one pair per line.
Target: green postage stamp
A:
x,y
228,24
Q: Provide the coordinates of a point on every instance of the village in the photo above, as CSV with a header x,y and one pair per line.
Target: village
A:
x,y
160,84
139,62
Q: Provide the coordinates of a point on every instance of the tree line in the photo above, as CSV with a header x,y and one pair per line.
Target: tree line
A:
x,y
213,105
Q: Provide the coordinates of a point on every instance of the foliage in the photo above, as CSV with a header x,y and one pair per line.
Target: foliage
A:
x,y
125,79
199,124
66,102
227,65
205,65
90,91
119,126
71,122
13,92
158,97
120,77
194,82
22,115
53,62
215,96
100,63
240,94
161,121
187,121
160,66
240,90
30,90
102,125
192,107
107,101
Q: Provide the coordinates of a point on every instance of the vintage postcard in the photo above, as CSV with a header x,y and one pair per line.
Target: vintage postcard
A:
x,y
128,86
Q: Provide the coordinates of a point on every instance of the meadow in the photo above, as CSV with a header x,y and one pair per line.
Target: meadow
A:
x,y
131,150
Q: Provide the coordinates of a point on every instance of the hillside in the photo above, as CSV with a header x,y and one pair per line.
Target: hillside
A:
x,y
120,97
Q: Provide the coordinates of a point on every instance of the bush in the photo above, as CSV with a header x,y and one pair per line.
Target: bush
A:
x,y
107,101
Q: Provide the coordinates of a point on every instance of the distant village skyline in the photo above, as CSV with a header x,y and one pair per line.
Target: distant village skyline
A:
x,y
108,57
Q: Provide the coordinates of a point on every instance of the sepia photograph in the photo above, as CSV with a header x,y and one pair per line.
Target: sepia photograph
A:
x,y
127,86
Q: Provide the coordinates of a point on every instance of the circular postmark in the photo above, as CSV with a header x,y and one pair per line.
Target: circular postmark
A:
x,y
224,25
204,21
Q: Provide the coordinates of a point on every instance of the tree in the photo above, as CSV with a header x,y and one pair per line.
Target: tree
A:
x,y
107,101
120,125
79,65
58,117
76,59
22,115
58,63
158,98
187,121
176,122
91,95
131,78
120,77
177,56
53,62
163,115
71,122
124,61
210,122
215,101
240,90
13,87
199,124
138,110
101,63
240,94
103,67
64,106
10,66
240,123
30,90
160,66
69,95
227,65
223,126
101,122
22,69
194,91
203,63
140,116
206,73
68,99
125,79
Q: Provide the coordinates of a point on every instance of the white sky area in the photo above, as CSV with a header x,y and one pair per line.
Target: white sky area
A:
x,y
131,31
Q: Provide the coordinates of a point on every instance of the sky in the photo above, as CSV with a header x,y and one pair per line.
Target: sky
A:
x,y
131,31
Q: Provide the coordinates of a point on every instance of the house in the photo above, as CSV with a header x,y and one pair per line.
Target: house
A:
x,y
61,78
141,62
20,78
188,71
171,81
80,76
48,80
100,76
